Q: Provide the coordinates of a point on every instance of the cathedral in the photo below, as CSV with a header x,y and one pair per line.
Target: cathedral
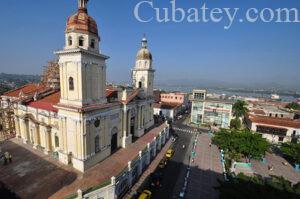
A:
x,y
83,120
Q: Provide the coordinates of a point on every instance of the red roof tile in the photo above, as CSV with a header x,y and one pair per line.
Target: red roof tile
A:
x,y
27,89
283,122
47,103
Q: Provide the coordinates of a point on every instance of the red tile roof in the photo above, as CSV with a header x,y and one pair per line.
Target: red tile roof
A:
x,y
47,103
282,122
27,89
132,96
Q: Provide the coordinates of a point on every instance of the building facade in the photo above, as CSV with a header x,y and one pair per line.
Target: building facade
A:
x,y
210,111
275,130
84,121
175,98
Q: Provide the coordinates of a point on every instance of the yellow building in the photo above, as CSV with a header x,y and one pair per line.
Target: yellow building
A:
x,y
85,120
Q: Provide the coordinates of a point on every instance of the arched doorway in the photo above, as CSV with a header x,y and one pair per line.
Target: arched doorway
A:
x,y
114,139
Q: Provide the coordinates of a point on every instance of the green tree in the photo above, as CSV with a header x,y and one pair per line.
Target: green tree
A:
x,y
293,105
240,109
244,187
292,150
235,123
241,144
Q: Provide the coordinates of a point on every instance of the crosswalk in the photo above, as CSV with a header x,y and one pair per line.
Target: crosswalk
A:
x,y
185,130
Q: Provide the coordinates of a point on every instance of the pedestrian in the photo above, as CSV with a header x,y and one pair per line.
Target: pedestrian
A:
x,y
10,158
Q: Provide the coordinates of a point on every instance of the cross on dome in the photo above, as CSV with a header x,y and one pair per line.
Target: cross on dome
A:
x,y
82,4
144,41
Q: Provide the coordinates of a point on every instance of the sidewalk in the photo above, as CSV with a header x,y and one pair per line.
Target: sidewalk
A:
x,y
152,167
205,170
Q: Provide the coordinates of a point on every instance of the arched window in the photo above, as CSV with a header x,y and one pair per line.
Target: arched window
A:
x,y
97,144
93,43
71,83
70,41
81,41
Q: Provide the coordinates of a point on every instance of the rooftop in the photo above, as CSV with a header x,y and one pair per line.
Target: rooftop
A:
x,y
282,122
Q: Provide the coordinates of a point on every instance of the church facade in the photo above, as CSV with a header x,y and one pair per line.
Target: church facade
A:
x,y
85,120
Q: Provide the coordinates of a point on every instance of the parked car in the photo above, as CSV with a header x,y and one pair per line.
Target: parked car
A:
x,y
155,180
163,163
146,194
170,153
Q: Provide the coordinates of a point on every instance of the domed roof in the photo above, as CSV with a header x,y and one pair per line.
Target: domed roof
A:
x,y
82,22
144,54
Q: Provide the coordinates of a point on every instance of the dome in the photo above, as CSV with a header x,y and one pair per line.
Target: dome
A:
x,y
144,54
82,22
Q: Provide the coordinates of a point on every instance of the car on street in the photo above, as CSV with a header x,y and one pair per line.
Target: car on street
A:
x,y
155,179
163,163
170,153
145,195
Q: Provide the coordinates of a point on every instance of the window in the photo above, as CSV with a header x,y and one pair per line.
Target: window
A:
x,y
56,141
93,43
282,115
276,115
140,84
97,144
294,133
81,41
70,41
71,83
280,139
97,123
270,115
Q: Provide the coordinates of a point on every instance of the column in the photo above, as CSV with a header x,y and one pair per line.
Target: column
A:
x,y
139,117
124,122
47,140
140,168
36,136
130,174
148,153
17,124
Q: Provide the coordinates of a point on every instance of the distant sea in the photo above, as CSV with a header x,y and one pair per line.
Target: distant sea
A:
x,y
189,89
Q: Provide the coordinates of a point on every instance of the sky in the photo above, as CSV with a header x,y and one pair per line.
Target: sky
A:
x,y
260,54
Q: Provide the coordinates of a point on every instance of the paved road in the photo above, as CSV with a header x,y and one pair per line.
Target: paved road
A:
x,y
171,173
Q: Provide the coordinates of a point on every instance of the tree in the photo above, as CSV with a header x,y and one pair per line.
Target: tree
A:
x,y
292,150
257,187
293,105
235,123
240,108
241,144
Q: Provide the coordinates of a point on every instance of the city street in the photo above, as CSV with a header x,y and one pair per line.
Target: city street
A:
x,y
171,173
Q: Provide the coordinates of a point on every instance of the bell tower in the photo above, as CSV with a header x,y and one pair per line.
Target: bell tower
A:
x,y
143,73
82,67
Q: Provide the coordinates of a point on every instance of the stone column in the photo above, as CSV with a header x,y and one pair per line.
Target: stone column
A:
x,y
140,168
139,117
36,136
24,130
154,141
130,174
148,153
17,126
47,140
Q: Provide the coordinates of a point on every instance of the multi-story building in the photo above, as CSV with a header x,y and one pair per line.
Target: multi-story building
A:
x,y
84,121
213,112
275,130
175,98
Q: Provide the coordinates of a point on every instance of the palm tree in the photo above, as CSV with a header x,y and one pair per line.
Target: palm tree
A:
x,y
240,109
